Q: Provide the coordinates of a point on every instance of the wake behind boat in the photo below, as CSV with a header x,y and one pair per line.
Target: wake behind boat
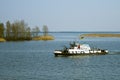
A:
x,y
79,49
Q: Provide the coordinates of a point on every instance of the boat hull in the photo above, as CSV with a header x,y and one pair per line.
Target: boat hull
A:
x,y
77,54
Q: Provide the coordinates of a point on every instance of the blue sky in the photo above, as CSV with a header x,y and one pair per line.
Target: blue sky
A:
x,y
64,15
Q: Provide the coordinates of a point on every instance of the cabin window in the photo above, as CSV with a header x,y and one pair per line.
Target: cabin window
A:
x,y
82,52
76,51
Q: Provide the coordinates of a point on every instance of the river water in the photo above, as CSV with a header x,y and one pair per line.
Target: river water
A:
x,y
34,60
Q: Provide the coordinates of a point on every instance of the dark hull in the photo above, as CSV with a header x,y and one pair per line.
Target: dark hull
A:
x,y
68,54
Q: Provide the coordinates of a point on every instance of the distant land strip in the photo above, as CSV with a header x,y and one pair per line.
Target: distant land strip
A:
x,y
99,35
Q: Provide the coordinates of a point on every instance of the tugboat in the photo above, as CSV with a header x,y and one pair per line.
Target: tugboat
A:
x,y
80,49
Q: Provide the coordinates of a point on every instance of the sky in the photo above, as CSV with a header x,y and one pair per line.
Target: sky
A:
x,y
64,15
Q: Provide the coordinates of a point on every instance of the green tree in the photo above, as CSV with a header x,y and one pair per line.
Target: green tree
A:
x,y
45,30
15,31
23,27
28,33
18,30
2,30
35,31
8,29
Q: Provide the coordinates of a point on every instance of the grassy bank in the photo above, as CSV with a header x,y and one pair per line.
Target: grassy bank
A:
x,y
99,35
2,40
48,37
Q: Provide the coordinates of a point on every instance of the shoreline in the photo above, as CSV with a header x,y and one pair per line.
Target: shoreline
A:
x,y
2,40
47,37
37,38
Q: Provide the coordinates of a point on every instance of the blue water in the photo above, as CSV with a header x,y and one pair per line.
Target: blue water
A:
x,y
34,60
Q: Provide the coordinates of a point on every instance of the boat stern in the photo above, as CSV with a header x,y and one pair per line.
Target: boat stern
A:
x,y
58,51
106,51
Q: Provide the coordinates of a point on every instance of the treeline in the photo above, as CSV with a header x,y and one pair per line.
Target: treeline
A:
x,y
19,30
